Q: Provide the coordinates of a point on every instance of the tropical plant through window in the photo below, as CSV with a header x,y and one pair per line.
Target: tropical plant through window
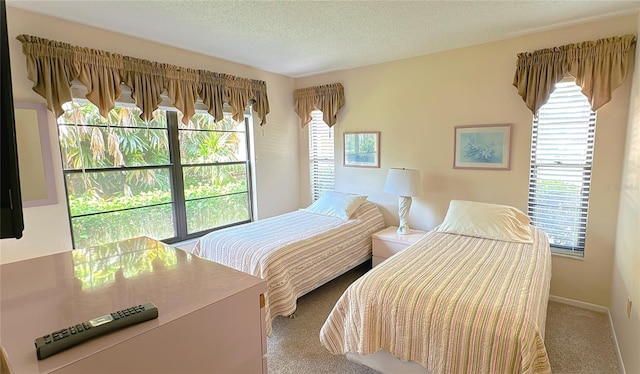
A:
x,y
215,167
122,183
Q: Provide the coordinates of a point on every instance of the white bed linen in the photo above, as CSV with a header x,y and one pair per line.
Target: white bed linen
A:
x,y
453,304
295,252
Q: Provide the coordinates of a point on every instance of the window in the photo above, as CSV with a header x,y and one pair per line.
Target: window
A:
x,y
321,156
560,173
163,179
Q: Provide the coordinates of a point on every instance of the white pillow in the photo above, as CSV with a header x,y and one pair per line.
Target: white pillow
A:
x,y
336,204
490,221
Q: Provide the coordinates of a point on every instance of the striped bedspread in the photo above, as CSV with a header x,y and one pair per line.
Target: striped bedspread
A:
x,y
295,252
454,304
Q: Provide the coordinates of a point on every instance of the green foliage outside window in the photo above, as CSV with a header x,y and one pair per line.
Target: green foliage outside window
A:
x,y
118,173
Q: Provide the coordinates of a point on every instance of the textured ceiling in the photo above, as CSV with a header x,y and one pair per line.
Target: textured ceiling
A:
x,y
301,38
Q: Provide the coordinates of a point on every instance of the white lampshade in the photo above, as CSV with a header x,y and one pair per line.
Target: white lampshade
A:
x,y
403,182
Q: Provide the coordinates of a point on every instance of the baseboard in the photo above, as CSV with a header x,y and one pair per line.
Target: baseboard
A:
x,y
580,304
595,308
615,345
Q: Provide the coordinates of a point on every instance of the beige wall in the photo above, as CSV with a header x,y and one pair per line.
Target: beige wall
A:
x,y
416,103
626,266
47,228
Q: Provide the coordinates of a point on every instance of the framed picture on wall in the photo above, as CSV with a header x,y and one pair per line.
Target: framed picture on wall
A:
x,y
37,181
362,149
482,147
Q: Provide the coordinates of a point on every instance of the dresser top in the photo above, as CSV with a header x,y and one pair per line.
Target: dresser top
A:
x,y
48,293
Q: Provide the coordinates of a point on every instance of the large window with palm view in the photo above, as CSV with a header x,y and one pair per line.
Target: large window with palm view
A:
x,y
164,179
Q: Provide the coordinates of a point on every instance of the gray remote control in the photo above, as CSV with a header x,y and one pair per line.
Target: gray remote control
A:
x,y
60,340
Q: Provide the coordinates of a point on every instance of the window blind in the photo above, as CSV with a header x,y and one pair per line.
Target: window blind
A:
x,y
321,156
560,173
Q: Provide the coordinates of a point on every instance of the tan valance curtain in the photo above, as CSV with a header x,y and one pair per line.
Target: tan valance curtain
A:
x,y
328,98
53,65
599,67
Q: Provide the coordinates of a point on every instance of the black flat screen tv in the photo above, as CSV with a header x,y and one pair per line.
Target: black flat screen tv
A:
x,y
11,220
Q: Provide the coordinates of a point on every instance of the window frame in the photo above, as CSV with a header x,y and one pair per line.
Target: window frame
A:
x,y
316,130
582,168
175,168
180,200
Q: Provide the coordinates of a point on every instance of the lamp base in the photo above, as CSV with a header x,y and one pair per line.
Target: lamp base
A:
x,y
404,203
403,230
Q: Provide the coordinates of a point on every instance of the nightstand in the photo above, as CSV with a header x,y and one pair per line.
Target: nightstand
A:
x,y
388,242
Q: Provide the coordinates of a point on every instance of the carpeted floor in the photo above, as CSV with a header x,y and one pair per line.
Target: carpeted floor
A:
x,y
577,340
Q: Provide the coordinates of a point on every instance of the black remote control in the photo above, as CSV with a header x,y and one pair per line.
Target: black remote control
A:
x,y
60,340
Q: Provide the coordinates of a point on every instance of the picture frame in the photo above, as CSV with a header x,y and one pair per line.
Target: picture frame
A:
x,y
37,181
485,147
362,149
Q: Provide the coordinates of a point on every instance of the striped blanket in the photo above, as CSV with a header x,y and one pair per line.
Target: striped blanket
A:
x,y
295,252
452,303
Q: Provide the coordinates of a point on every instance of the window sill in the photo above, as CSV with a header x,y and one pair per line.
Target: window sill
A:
x,y
567,254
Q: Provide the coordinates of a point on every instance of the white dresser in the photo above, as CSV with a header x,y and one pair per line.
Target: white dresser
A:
x,y
210,317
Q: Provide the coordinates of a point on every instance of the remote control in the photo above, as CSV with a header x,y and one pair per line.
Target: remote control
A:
x,y
60,340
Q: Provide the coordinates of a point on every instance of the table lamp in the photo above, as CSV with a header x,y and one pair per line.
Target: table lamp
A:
x,y
405,183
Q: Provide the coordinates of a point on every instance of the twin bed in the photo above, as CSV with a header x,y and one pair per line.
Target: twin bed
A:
x,y
471,296
299,251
